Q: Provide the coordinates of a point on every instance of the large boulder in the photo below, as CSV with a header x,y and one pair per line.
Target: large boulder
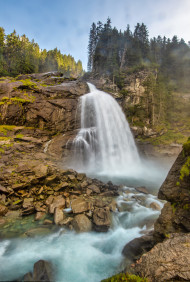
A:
x,y
81,223
43,271
102,219
167,261
138,246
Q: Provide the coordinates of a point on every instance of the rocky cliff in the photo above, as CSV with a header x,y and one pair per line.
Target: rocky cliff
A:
x,y
169,259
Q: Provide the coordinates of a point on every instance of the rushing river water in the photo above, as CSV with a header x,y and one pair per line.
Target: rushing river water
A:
x,y
104,147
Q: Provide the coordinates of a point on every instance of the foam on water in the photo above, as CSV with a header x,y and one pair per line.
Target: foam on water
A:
x,y
79,257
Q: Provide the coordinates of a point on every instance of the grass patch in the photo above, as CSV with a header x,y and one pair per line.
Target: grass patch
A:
x,y
125,277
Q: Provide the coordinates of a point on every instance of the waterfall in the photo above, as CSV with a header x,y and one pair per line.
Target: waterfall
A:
x,y
104,143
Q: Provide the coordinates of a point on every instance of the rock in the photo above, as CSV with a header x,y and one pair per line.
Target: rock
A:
x,y
155,206
47,222
79,205
58,202
3,189
40,231
51,179
61,186
94,189
138,246
40,215
3,210
167,261
102,219
58,215
43,271
28,277
66,221
13,214
81,223
49,200
28,202
2,221
142,190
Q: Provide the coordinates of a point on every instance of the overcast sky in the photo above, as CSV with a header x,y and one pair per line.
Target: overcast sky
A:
x,y
65,24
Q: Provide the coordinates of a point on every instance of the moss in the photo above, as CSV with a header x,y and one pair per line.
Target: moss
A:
x,y
125,277
5,128
185,170
173,207
2,151
4,138
28,84
186,147
186,207
19,136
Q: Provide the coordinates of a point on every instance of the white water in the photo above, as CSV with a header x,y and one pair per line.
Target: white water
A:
x,y
80,257
104,143
103,146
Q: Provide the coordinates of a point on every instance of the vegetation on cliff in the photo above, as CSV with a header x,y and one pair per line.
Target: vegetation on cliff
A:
x,y
151,77
19,55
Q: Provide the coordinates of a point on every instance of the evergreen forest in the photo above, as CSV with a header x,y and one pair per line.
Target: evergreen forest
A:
x,y
19,55
160,64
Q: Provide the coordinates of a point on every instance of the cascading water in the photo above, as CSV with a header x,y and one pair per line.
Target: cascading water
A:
x,y
104,143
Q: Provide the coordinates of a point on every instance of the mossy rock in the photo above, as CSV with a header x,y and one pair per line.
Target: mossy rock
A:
x,y
125,277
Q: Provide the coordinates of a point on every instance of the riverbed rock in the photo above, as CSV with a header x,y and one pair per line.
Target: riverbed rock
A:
x,y
81,223
79,205
137,247
167,261
101,219
58,202
43,271
58,215
155,206
3,210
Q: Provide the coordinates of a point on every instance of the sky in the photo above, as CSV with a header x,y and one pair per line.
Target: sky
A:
x,y
65,24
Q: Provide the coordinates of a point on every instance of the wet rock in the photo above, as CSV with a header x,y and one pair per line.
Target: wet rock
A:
x,y
40,215
79,205
81,223
137,247
13,214
58,202
3,210
43,271
155,206
167,261
2,221
66,221
40,231
102,219
142,190
47,222
58,215
28,277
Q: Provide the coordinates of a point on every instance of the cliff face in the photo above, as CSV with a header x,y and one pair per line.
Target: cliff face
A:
x,y
169,259
44,101
176,191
